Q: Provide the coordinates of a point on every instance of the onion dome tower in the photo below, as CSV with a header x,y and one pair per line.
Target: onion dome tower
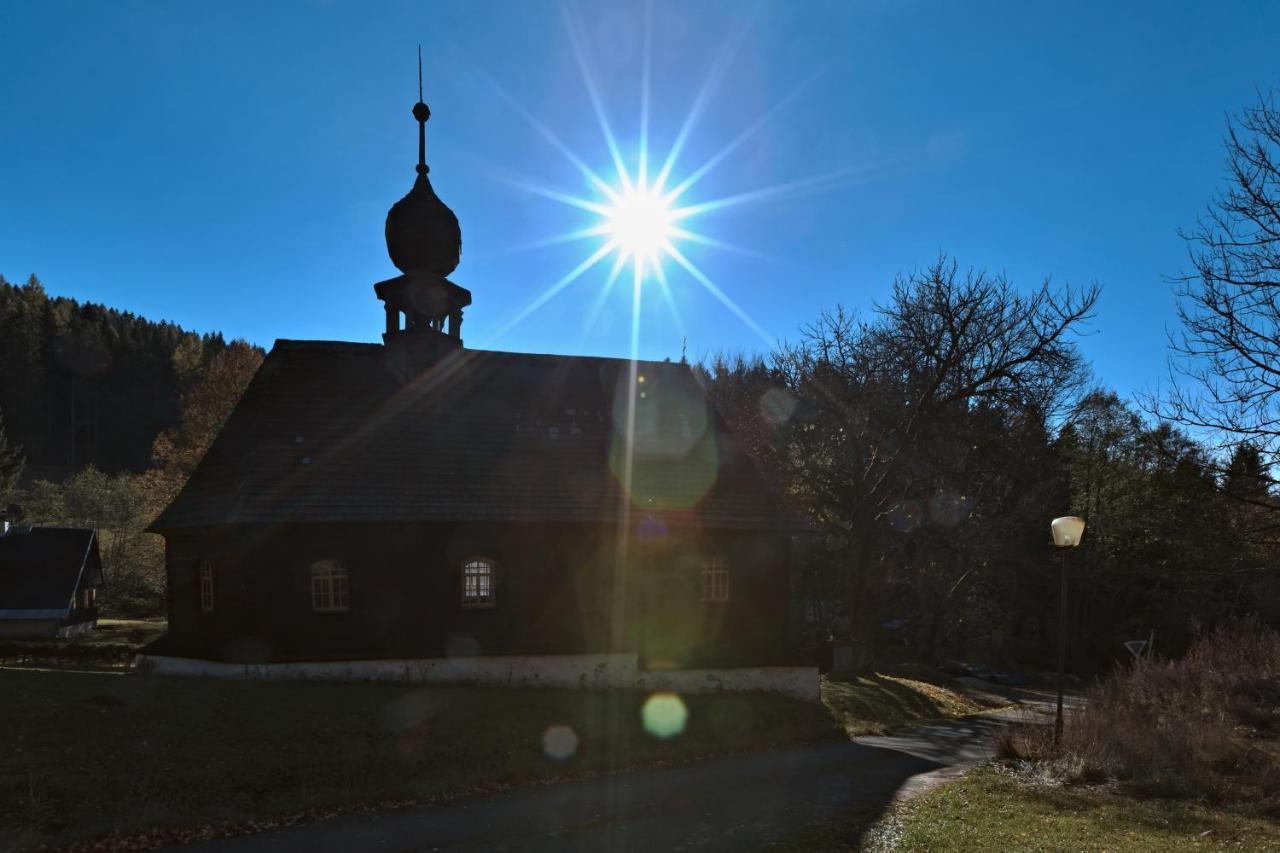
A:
x,y
422,232
425,243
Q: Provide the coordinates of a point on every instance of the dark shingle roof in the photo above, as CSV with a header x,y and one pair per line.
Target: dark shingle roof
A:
x,y
327,432
40,567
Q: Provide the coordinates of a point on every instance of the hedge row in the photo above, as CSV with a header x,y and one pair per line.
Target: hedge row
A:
x,y
51,653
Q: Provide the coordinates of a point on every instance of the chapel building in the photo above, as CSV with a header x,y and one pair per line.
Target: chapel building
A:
x,y
418,509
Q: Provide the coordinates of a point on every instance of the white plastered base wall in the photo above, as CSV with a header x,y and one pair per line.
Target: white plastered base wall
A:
x,y
611,670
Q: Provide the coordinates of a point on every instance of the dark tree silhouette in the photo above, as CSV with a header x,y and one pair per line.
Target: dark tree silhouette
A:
x,y
11,465
880,402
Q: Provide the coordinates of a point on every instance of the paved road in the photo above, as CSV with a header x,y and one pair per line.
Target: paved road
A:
x,y
735,803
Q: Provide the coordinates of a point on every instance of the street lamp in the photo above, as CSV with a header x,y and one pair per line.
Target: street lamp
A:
x,y
1067,533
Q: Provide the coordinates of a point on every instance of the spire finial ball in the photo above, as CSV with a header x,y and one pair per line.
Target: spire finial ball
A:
x,y
421,112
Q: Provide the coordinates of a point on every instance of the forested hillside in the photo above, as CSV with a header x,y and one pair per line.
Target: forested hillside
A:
x,y
83,384
111,412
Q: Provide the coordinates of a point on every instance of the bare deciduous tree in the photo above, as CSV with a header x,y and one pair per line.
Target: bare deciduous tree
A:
x,y
1226,362
878,393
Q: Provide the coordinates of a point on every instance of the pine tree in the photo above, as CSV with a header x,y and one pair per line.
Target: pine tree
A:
x,y
1246,477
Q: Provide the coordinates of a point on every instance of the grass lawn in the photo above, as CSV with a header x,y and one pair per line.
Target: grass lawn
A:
x,y
877,704
991,809
93,754
90,754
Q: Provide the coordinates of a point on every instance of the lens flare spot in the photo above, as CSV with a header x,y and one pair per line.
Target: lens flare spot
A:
x,y
906,517
560,742
664,448
949,508
664,715
651,530
777,405
461,646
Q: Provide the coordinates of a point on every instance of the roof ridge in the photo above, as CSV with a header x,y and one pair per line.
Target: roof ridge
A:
x,y
575,357
298,344
294,343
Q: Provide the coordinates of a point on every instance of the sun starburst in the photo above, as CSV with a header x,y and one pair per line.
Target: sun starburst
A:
x,y
638,221
642,220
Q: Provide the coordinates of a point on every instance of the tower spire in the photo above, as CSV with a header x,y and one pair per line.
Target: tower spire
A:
x,y
421,112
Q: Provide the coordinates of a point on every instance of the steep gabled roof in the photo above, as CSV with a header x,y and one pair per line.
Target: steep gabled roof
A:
x,y
40,569
327,432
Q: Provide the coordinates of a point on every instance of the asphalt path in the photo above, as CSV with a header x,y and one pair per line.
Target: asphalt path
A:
x,y
742,802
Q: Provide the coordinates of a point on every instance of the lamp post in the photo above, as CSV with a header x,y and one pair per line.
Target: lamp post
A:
x,y
1067,533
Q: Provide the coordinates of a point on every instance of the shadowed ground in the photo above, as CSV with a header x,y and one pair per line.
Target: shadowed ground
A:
x,y
115,759
736,803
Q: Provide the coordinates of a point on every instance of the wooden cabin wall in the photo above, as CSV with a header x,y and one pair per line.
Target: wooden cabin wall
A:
x,y
555,594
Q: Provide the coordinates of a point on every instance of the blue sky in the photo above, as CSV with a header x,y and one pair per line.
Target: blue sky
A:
x,y
228,166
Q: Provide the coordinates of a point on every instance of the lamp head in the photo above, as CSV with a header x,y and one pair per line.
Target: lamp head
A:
x,y
1067,531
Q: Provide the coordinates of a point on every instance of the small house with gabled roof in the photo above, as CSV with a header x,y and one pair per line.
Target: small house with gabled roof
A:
x,y
416,509
50,578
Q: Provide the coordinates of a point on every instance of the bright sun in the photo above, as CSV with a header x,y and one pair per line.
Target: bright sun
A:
x,y
641,221
642,218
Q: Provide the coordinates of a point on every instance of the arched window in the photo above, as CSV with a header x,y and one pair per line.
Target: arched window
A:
x,y
477,582
715,579
329,592
206,585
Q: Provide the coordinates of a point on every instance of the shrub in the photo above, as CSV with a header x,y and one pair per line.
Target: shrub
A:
x,y
1202,726
61,653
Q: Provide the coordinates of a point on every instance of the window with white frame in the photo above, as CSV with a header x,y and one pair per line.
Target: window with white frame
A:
x,y
329,587
715,579
477,582
206,585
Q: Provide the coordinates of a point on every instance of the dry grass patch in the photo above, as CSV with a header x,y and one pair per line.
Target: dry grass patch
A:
x,y
877,704
1205,727
132,632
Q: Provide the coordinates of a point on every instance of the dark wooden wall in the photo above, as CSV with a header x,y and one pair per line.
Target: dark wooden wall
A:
x,y
555,593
